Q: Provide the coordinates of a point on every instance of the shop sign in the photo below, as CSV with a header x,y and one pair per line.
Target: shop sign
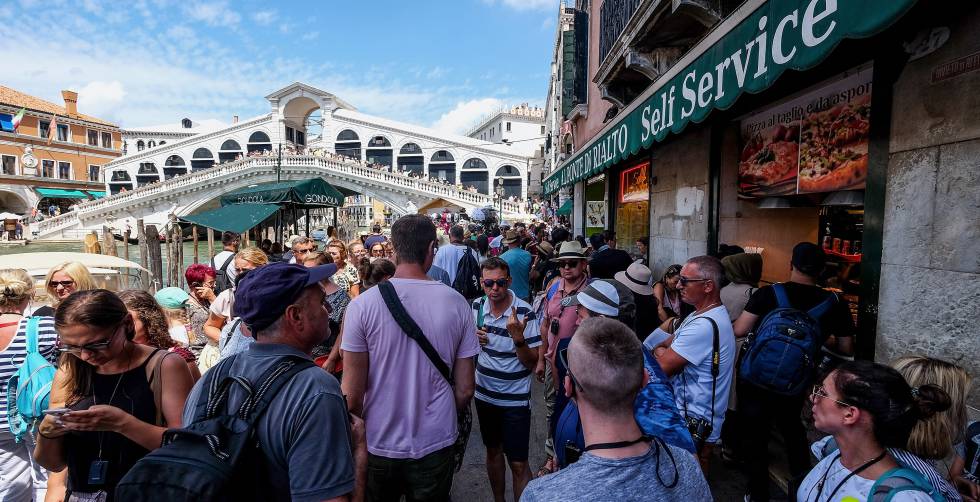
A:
x,y
779,35
634,184
815,142
955,68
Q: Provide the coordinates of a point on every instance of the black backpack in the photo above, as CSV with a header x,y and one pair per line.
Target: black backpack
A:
x,y
467,280
221,279
217,456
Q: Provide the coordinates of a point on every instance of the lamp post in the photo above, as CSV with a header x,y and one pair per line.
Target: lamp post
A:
x,y
499,190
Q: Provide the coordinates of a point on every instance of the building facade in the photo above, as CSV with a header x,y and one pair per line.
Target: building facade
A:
x,y
137,139
769,122
54,158
522,129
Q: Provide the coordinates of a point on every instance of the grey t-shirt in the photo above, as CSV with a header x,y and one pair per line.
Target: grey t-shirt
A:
x,y
305,432
438,274
626,479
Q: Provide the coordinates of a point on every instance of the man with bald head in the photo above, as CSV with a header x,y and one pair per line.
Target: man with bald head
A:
x,y
605,374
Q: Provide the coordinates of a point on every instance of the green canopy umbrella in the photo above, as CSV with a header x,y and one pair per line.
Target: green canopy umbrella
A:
x,y
565,208
61,193
302,193
236,218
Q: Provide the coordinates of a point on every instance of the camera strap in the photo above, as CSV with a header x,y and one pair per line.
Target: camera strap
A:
x,y
715,365
617,444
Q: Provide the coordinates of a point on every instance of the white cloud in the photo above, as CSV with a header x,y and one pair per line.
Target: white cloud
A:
x,y
461,118
99,98
526,4
265,17
547,24
214,14
284,28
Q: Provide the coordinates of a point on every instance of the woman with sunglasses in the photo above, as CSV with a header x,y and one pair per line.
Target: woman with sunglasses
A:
x,y
378,251
346,276
62,280
668,294
200,285
868,408
115,412
22,478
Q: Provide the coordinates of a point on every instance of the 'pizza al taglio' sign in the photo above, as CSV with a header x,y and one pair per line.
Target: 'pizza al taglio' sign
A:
x,y
777,36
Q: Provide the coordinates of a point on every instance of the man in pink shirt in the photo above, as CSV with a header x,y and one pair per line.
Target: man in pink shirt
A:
x,y
409,409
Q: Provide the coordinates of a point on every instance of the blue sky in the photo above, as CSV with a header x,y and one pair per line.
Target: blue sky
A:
x,y
438,63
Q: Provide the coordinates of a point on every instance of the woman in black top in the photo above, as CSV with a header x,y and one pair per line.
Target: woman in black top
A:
x,y
117,413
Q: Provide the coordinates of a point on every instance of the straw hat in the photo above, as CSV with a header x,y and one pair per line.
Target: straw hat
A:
x,y
637,278
570,250
510,237
545,248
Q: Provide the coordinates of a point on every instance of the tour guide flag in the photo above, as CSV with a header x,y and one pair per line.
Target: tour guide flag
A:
x,y
775,36
17,118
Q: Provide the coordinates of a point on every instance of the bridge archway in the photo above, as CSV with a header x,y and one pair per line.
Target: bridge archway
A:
x,y
296,116
202,159
379,151
259,141
411,158
509,177
14,202
174,166
119,181
147,174
475,173
442,166
348,144
229,152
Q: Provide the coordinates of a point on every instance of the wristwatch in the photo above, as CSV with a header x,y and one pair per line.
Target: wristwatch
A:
x,y
520,343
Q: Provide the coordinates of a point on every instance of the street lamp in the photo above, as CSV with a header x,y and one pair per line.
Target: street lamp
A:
x,y
499,190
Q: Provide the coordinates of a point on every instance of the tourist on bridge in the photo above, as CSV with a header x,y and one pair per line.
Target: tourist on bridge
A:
x,y
619,463
410,407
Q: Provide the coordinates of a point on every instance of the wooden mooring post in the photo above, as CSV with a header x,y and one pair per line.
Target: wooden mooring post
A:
x,y
108,242
155,257
194,238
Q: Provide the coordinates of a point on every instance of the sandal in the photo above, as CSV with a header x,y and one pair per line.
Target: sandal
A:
x,y
548,467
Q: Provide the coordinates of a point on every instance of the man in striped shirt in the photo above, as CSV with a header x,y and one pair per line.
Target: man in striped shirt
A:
x,y
503,376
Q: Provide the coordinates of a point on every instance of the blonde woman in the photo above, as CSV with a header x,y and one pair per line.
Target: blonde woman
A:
x,y
938,438
22,478
62,280
247,259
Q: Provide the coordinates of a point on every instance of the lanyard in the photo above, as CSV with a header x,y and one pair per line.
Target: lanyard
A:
x,y
617,444
823,479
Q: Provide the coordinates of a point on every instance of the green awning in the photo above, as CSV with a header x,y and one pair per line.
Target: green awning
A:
x,y
309,193
235,218
566,208
98,194
793,35
60,193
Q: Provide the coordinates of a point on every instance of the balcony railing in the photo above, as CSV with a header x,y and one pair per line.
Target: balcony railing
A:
x,y
614,16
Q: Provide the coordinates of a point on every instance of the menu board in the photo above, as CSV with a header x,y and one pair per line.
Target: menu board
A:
x,y
816,142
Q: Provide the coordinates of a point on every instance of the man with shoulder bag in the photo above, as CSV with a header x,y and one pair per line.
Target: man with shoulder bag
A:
x,y
408,368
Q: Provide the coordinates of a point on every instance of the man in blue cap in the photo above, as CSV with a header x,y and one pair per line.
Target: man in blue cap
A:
x,y
306,433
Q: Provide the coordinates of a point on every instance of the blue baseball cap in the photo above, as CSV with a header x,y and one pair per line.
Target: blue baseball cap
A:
x,y
263,295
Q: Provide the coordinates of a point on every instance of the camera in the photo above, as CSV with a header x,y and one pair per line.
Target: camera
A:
x,y
554,327
572,453
700,429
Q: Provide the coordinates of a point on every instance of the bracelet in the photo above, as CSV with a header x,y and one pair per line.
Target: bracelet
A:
x,y
45,435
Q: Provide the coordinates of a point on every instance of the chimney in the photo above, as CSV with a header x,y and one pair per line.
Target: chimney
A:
x,y
234,119
71,102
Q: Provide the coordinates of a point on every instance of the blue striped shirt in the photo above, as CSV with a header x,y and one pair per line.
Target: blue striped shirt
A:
x,y
501,379
14,354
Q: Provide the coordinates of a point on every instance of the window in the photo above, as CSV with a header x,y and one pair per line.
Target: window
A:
x,y
186,123
508,126
43,128
542,129
290,134
163,143
140,146
93,138
64,170
151,144
9,163
93,172
300,138
47,168
106,140
62,132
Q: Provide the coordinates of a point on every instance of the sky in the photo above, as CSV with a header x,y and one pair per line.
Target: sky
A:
x,y
437,63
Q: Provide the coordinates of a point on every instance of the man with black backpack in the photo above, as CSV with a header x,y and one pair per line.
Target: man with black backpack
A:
x,y
461,262
266,424
224,262
788,324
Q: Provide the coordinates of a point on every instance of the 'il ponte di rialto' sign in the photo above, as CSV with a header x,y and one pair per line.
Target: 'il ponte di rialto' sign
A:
x,y
778,35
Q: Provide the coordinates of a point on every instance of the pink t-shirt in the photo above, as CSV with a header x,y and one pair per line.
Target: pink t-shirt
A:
x,y
409,408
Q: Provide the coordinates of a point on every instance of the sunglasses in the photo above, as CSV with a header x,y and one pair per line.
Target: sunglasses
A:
x,y
568,264
88,347
488,283
819,392
563,358
64,284
304,251
683,281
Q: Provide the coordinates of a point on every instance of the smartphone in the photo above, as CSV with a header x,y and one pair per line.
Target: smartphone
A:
x,y
57,412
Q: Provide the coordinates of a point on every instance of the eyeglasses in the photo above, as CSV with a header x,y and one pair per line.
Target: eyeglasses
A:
x,y
563,358
377,251
488,283
568,264
818,392
65,284
304,251
88,347
683,281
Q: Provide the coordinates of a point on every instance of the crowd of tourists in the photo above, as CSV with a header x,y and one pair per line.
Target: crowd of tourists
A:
x,y
351,372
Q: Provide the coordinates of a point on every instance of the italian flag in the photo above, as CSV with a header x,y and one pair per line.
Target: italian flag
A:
x,y
18,118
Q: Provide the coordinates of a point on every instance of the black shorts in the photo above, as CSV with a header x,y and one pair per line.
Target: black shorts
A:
x,y
507,426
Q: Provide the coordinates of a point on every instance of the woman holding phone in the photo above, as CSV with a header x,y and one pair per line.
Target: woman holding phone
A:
x,y
117,407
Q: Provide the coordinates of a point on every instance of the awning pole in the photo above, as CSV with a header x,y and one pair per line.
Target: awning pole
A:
x,y
307,222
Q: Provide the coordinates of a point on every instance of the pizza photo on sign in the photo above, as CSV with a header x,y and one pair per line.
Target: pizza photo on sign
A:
x,y
769,160
834,147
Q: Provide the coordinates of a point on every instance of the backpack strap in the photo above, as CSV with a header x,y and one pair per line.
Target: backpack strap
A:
x,y
823,307
412,329
782,299
269,386
224,266
553,289
897,480
31,335
156,384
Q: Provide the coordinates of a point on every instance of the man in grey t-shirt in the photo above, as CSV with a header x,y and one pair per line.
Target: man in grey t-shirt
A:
x,y
310,451
605,373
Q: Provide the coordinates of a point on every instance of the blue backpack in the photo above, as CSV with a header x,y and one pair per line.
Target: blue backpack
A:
x,y
903,478
783,354
29,389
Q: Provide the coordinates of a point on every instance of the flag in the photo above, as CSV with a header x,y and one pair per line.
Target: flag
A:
x,y
18,118
53,129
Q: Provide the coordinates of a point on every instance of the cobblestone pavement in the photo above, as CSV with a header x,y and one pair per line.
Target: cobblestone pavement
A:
x,y
471,483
